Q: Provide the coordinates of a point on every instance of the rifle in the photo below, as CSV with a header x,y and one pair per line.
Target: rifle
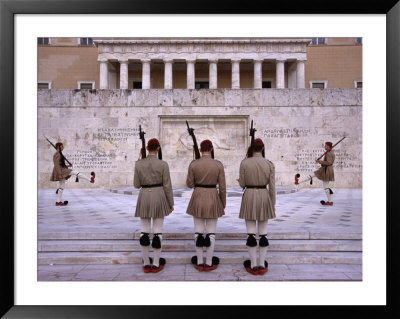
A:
x,y
195,147
143,149
331,149
251,134
63,158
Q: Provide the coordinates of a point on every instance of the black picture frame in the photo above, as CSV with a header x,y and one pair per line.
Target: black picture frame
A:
x,y
9,8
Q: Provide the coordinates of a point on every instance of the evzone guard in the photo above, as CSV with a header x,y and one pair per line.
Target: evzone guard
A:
x,y
207,203
325,173
62,172
155,201
257,178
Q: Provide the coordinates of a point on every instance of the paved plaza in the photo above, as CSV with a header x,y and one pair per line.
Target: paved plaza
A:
x,y
109,214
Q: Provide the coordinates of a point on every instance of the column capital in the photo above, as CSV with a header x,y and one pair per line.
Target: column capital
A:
x,y
145,60
280,61
212,60
236,60
191,61
168,60
258,60
102,60
123,61
301,60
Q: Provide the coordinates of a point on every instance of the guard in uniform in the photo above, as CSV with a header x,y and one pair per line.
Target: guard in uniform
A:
x,y
257,178
325,173
206,205
61,173
155,201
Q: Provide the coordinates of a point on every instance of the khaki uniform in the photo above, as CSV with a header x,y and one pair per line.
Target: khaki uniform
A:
x,y
155,202
206,202
325,172
257,204
59,168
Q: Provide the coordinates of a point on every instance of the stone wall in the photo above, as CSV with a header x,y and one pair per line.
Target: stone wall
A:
x,y
100,129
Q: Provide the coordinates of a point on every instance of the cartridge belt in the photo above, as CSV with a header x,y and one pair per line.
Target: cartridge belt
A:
x,y
150,186
205,186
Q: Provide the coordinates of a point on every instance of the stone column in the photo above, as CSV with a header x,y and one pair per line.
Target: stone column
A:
x,y
103,74
168,74
257,74
145,74
235,74
213,74
190,75
280,74
123,74
300,76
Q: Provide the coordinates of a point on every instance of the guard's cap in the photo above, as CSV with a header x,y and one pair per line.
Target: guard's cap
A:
x,y
153,142
258,142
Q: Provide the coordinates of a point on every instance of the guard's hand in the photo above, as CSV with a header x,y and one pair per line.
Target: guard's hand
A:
x,y
69,165
238,180
171,208
60,176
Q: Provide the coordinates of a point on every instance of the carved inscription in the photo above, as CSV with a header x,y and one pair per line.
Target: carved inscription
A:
x,y
112,134
90,160
286,132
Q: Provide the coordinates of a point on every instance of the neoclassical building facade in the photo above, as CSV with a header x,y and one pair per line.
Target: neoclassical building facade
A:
x,y
268,54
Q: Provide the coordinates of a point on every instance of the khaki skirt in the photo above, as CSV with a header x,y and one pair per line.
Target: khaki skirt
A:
x,y
205,203
152,203
256,205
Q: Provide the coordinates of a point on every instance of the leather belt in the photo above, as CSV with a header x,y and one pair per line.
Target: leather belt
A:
x,y
258,187
150,186
205,186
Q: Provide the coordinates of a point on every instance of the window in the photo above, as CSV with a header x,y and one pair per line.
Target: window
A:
x,y
359,40
318,84
318,41
43,41
86,41
43,85
358,84
266,84
86,85
201,85
136,85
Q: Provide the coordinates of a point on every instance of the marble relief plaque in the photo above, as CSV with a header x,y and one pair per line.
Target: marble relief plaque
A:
x,y
229,134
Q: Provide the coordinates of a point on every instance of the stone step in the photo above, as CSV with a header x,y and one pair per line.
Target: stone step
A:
x,y
296,235
276,257
188,245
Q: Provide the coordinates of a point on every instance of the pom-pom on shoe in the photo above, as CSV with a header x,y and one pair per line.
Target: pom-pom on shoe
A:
x,y
247,266
326,203
93,176
263,270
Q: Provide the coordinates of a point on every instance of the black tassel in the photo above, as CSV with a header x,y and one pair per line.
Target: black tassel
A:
x,y
330,191
194,260
156,243
200,240
144,239
264,241
251,241
207,241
